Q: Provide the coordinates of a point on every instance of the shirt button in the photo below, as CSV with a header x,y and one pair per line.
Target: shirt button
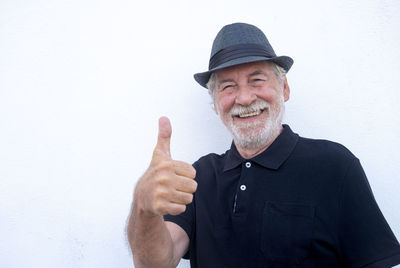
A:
x,y
248,164
243,187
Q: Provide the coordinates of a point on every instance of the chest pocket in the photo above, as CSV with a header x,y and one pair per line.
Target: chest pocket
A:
x,y
286,232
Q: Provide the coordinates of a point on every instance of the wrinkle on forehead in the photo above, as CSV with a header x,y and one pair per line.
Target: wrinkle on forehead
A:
x,y
228,73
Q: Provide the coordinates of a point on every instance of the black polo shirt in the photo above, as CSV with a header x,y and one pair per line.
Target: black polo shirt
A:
x,y
300,203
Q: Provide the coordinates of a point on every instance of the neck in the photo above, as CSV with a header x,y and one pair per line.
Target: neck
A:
x,y
248,153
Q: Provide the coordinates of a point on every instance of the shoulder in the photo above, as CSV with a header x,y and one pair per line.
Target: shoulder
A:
x,y
323,156
211,159
323,148
209,166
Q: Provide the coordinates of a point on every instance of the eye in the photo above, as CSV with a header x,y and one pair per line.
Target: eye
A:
x,y
226,87
258,81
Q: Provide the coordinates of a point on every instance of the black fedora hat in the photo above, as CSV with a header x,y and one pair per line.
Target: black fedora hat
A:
x,y
240,43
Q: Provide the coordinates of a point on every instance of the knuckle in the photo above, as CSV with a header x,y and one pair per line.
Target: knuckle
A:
x,y
160,193
182,209
193,186
189,199
161,207
178,210
193,172
163,179
160,180
186,198
158,206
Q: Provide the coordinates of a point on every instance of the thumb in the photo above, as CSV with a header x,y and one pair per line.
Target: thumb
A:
x,y
164,136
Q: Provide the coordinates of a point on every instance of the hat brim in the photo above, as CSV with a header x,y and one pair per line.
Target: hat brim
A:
x,y
284,61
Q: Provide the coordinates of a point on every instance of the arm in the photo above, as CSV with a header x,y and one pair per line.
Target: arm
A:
x,y
365,237
165,188
152,238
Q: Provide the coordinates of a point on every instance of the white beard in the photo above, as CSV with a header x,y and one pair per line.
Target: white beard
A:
x,y
258,133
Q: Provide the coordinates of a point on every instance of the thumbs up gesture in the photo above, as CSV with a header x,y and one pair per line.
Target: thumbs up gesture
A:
x,y
167,185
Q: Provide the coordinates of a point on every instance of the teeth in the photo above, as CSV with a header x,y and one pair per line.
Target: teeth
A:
x,y
250,114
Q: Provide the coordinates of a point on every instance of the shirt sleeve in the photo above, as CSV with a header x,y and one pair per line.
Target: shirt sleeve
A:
x,y
185,221
365,237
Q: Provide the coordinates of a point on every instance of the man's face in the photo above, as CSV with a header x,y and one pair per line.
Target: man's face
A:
x,y
250,98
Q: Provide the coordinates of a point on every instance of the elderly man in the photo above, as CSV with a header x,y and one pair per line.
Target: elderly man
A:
x,y
274,199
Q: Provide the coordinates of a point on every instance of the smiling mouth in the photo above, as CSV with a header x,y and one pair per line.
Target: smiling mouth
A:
x,y
250,114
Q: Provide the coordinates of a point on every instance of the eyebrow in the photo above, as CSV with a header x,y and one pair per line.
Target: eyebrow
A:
x,y
220,82
257,72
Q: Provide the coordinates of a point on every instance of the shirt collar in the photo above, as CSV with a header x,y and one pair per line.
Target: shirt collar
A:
x,y
273,157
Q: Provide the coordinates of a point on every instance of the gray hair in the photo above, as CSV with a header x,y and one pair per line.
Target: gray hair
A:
x,y
278,70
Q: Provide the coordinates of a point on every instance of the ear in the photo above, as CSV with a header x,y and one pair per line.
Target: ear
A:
x,y
286,89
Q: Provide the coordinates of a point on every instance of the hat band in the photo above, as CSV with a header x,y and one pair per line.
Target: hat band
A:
x,y
239,51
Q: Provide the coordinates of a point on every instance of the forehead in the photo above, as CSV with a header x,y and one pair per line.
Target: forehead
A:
x,y
244,69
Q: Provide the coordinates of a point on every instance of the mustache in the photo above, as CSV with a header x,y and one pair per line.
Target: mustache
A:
x,y
256,106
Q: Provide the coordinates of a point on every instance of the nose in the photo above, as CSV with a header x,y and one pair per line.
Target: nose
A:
x,y
245,95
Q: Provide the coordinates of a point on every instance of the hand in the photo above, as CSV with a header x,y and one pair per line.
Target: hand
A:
x,y
168,185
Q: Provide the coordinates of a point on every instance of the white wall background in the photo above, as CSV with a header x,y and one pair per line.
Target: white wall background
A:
x,y
82,84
